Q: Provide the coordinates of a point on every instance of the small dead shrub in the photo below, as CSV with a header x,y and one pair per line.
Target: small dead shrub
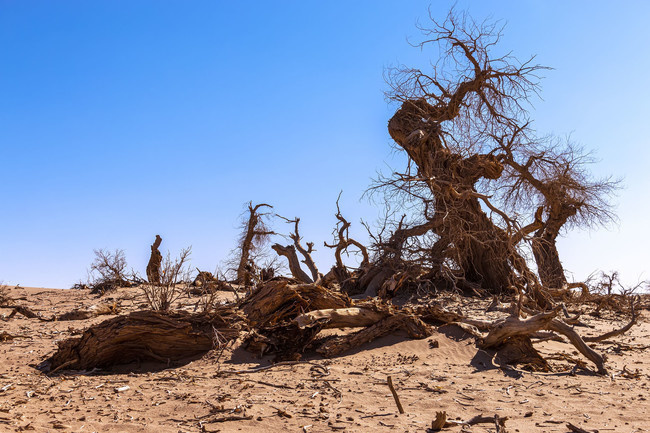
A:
x,y
173,274
107,272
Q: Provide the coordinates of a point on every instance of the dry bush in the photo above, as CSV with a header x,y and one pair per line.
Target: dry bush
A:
x,y
107,272
173,274
110,266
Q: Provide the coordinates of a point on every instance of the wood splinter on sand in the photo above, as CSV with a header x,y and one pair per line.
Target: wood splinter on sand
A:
x,y
389,380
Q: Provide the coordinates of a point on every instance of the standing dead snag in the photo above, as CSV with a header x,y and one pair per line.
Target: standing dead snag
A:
x,y
472,155
153,267
290,253
161,295
294,263
550,178
349,282
441,125
256,233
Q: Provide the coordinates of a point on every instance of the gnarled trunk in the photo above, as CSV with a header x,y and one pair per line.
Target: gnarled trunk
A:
x,y
549,266
481,250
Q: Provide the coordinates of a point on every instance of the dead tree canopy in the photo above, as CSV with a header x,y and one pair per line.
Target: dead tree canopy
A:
x,y
455,123
550,177
439,124
153,267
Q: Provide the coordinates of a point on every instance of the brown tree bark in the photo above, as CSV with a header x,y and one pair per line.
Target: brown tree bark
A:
x,y
466,234
153,267
547,257
146,335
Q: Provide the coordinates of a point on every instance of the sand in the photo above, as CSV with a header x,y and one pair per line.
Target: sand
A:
x,y
445,372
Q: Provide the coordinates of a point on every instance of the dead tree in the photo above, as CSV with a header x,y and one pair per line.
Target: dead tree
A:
x,y
550,178
255,234
443,124
350,282
146,336
479,178
290,253
108,271
153,267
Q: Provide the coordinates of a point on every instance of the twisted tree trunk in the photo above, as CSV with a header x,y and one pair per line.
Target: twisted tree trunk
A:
x,y
466,235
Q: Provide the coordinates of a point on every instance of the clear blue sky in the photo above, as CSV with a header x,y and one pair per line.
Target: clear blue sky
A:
x,y
120,120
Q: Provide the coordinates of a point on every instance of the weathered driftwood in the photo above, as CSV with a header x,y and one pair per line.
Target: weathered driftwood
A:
x,y
25,311
352,317
400,321
578,342
441,421
277,301
288,318
146,336
512,326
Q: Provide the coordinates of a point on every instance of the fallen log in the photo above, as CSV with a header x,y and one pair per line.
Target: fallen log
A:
x,y
352,317
413,326
287,340
25,311
513,326
146,336
278,301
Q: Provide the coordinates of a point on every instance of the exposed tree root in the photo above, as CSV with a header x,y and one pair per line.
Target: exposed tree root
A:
x,y
504,330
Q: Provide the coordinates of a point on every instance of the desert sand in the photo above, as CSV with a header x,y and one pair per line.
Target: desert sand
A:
x,y
445,372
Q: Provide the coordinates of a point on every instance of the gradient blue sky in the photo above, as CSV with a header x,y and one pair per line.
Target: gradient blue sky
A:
x,y
120,120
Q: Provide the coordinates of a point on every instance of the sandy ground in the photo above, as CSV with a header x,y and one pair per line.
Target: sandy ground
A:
x,y
348,393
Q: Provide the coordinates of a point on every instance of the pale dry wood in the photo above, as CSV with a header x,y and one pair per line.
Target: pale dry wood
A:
x,y
578,342
513,326
352,317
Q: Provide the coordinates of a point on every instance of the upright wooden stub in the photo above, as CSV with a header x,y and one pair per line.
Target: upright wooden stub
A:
x,y
153,268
